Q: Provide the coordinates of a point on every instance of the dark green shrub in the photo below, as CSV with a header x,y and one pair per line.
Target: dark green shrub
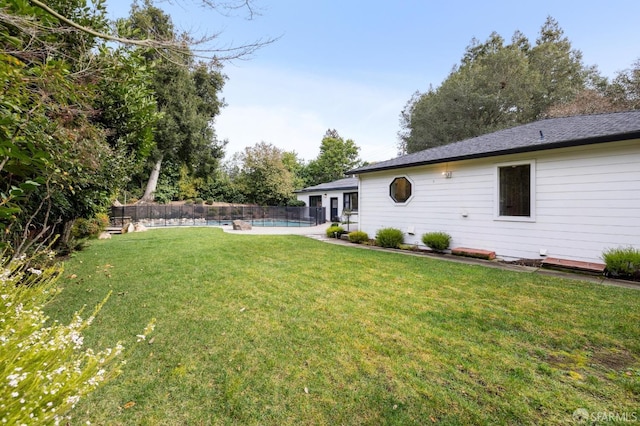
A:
x,y
358,237
622,262
87,228
199,201
335,231
102,219
437,241
389,237
209,202
83,228
81,231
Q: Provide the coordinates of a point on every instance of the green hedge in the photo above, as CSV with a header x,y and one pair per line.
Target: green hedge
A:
x,y
335,231
358,237
623,262
389,238
437,241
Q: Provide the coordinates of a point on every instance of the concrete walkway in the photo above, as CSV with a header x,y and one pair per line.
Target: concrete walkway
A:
x,y
319,233
311,231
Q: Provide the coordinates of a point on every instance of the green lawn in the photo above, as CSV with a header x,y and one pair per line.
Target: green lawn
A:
x,y
287,330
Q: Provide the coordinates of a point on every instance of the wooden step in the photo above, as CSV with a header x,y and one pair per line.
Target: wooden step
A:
x,y
576,265
471,252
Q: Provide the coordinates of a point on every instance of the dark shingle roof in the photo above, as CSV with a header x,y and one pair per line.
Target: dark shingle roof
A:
x,y
336,185
537,136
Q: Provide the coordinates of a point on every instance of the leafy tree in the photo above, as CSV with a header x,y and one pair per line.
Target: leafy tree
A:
x,y
496,86
186,93
187,185
48,134
33,31
52,10
624,91
64,149
184,134
486,93
588,101
262,175
127,112
297,167
77,114
72,28
55,166
336,157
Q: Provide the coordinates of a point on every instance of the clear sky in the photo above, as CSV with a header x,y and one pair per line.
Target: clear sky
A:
x,y
351,65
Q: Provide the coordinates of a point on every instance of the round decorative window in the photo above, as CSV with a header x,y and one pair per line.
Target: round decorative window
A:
x,y
400,189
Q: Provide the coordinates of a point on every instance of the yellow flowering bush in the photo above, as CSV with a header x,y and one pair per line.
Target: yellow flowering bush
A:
x,y
45,368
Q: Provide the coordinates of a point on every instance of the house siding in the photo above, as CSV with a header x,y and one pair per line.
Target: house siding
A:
x,y
587,199
326,200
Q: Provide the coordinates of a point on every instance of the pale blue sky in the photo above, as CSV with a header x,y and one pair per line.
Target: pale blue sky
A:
x,y
352,65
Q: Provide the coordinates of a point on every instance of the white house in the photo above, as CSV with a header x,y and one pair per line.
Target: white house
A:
x,y
335,197
566,188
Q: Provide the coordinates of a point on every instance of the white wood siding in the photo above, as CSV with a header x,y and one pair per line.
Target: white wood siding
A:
x,y
326,201
587,199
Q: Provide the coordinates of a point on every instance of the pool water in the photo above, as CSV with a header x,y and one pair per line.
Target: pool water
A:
x,y
202,222
278,222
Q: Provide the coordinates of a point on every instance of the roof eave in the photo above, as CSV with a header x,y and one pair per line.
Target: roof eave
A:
x,y
299,191
519,150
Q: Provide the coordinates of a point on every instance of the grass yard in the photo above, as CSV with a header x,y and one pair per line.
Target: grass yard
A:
x,y
287,330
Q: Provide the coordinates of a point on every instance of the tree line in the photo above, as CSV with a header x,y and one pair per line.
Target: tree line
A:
x,y
78,119
266,175
92,111
498,85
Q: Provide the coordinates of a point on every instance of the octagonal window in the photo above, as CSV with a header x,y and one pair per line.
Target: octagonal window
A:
x,y
400,189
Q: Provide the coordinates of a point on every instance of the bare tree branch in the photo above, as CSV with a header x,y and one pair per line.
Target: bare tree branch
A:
x,y
223,7
3,162
142,43
218,53
26,241
244,4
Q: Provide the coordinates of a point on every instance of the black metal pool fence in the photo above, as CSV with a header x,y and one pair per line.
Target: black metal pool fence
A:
x,y
151,215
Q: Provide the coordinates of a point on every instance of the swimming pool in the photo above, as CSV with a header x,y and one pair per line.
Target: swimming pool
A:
x,y
151,223
279,222
158,215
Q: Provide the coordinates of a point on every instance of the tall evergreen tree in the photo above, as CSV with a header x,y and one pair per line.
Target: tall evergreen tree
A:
x,y
557,67
186,93
496,85
624,91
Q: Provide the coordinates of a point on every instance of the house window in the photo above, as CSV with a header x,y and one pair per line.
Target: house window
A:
x,y
400,189
350,201
515,190
315,201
